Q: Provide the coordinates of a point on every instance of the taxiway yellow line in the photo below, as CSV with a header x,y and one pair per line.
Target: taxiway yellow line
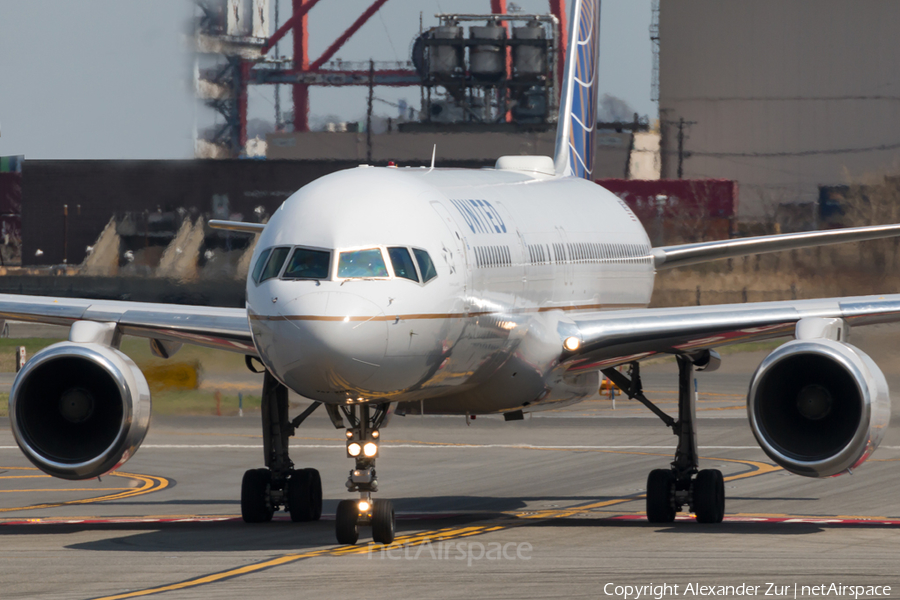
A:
x,y
149,483
106,489
522,518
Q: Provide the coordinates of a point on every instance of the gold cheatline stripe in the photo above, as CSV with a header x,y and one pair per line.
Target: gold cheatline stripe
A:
x,y
418,539
517,311
150,483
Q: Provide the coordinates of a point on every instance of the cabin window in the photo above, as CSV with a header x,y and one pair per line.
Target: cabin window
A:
x,y
426,267
403,264
260,263
273,267
362,263
308,264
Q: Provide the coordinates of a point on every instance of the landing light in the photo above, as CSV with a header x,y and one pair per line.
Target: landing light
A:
x,y
375,434
353,449
572,343
363,506
370,449
349,434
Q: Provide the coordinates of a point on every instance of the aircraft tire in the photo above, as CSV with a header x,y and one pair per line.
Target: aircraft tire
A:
x,y
383,521
709,496
346,522
256,507
660,484
301,496
316,483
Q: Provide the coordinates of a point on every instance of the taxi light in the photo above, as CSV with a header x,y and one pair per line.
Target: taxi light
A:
x,y
349,434
375,434
363,506
572,343
353,449
370,449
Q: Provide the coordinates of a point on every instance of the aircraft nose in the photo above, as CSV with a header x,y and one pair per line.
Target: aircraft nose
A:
x,y
339,341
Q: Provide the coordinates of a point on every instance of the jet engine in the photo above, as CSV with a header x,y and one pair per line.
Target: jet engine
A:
x,y
818,407
79,410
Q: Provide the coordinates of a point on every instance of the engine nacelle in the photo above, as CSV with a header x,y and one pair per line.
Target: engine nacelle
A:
x,y
79,410
818,407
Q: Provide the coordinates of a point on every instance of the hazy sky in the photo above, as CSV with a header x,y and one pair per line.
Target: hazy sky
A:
x,y
111,78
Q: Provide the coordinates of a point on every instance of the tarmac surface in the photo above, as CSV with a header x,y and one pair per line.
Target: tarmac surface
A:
x,y
551,506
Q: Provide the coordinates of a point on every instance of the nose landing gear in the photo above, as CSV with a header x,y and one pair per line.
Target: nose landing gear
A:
x,y
363,438
669,490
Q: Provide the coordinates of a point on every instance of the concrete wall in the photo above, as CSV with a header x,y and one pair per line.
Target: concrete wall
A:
x,y
786,95
611,157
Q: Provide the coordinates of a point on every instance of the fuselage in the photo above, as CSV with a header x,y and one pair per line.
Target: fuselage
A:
x,y
445,290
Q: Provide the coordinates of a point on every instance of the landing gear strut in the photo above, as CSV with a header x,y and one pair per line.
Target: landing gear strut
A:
x,y
669,490
280,485
363,438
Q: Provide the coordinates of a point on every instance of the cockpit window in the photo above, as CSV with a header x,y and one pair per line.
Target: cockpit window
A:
x,y
402,263
273,267
425,265
362,263
308,264
260,263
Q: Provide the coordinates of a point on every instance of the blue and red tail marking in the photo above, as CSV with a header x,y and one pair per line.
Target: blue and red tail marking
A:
x,y
578,105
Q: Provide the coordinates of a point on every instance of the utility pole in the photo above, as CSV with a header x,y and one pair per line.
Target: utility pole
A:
x,y
278,124
65,234
681,153
369,111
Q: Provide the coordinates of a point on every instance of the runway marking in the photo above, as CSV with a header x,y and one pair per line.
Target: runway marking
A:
x,y
522,518
740,518
106,489
423,444
149,483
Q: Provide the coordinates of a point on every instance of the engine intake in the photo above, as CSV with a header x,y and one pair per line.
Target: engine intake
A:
x,y
79,410
818,407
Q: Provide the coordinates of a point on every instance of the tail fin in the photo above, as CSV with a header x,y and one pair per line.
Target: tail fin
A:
x,y
578,104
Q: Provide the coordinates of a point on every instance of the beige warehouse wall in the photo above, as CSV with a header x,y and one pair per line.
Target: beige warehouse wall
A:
x,y
786,95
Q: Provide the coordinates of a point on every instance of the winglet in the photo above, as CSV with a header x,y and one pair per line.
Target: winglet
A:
x,y
237,226
578,102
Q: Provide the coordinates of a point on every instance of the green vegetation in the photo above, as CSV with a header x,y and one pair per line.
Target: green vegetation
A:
x,y
208,361
765,346
200,402
194,402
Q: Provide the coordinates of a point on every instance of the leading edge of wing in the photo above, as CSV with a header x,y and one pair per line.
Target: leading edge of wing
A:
x,y
669,257
213,327
237,226
617,337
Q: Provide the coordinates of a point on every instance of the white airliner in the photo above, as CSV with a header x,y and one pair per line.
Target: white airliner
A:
x,y
509,290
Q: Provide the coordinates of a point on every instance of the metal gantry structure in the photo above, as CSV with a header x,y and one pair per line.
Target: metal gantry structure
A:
x,y
247,61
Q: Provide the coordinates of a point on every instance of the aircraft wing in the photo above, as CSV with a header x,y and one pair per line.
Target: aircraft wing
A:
x,y
669,257
222,328
611,338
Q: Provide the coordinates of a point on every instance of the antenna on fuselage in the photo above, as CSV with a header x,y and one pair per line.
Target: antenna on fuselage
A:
x,y
433,154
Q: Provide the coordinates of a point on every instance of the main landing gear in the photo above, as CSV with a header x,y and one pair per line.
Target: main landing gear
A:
x,y
363,438
669,490
280,485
